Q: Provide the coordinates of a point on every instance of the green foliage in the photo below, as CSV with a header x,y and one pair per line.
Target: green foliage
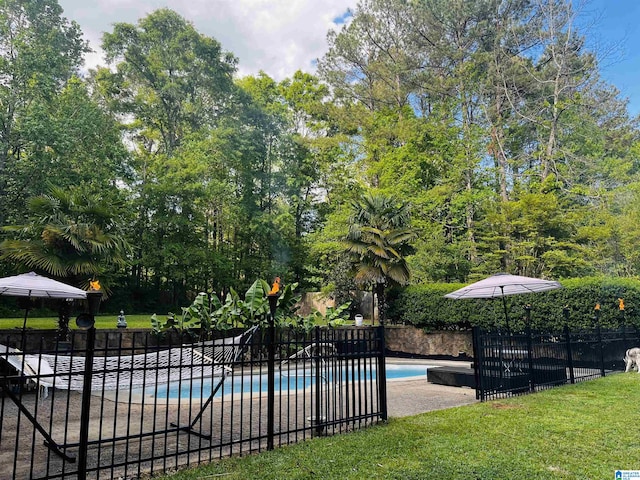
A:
x,y
208,313
40,51
506,151
337,316
378,242
425,306
510,150
184,326
69,234
334,317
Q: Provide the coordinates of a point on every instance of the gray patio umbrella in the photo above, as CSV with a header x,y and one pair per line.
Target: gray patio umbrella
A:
x,y
36,286
501,285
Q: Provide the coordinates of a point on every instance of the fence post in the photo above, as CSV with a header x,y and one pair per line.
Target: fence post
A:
x,y
382,374
86,403
623,322
316,416
567,340
532,382
86,321
601,346
475,336
271,370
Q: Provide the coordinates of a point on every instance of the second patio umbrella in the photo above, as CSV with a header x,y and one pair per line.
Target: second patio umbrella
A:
x,y
32,285
501,285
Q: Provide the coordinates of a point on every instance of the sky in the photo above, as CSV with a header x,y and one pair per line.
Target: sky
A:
x,y
282,36
275,36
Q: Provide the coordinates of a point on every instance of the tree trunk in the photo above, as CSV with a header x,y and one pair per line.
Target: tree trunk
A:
x,y
382,306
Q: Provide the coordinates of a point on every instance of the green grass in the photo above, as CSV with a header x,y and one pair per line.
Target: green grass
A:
x,y
102,321
584,431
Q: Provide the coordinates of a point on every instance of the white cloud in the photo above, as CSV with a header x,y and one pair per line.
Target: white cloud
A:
x,y
276,36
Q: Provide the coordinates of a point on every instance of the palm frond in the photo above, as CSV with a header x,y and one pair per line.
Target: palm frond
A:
x,y
378,251
68,234
401,236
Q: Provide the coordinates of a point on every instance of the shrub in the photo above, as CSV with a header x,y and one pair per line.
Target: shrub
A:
x,y
208,312
425,306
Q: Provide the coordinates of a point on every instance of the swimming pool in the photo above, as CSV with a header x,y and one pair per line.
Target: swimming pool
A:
x,y
286,380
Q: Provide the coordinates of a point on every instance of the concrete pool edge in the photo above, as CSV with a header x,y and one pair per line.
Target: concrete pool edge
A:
x,y
136,397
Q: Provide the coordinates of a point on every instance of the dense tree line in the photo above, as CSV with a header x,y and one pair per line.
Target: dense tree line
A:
x,y
484,122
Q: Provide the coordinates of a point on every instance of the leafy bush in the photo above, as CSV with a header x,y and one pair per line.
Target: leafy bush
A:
x,y
425,306
208,313
334,317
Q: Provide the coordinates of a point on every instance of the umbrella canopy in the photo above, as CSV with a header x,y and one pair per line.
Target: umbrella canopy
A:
x,y
501,285
34,285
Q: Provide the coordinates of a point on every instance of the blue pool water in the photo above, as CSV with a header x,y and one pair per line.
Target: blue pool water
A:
x,y
288,380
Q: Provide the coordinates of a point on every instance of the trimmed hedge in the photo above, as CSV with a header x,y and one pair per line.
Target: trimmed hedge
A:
x,y
425,306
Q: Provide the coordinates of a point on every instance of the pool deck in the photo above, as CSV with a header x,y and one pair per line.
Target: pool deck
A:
x,y
406,397
415,396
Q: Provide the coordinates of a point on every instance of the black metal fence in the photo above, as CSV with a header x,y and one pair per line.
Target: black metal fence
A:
x,y
156,407
509,364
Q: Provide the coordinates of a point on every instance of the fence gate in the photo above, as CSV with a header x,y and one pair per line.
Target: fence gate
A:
x,y
508,363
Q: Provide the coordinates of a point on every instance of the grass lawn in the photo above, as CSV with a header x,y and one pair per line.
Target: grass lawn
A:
x,y
584,431
102,321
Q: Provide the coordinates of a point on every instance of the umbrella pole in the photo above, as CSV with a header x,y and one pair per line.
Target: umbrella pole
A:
x,y
506,313
24,323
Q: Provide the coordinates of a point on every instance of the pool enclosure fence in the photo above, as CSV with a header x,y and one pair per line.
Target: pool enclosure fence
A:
x,y
507,363
154,406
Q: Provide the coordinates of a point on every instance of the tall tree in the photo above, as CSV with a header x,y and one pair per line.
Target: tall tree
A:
x,y
70,141
171,78
173,90
71,235
378,242
39,51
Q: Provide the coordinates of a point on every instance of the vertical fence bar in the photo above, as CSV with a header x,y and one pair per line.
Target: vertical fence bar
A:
x,y
532,380
382,374
86,404
475,336
600,349
567,340
316,413
271,371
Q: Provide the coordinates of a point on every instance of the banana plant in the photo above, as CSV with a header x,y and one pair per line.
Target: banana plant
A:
x,y
184,325
334,317
256,304
208,313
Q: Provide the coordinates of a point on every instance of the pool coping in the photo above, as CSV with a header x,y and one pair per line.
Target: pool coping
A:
x,y
124,395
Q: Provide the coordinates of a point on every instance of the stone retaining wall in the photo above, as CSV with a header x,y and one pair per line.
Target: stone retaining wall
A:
x,y
399,339
414,341
47,339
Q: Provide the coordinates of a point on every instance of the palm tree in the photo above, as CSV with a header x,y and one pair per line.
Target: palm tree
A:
x,y
70,236
378,241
